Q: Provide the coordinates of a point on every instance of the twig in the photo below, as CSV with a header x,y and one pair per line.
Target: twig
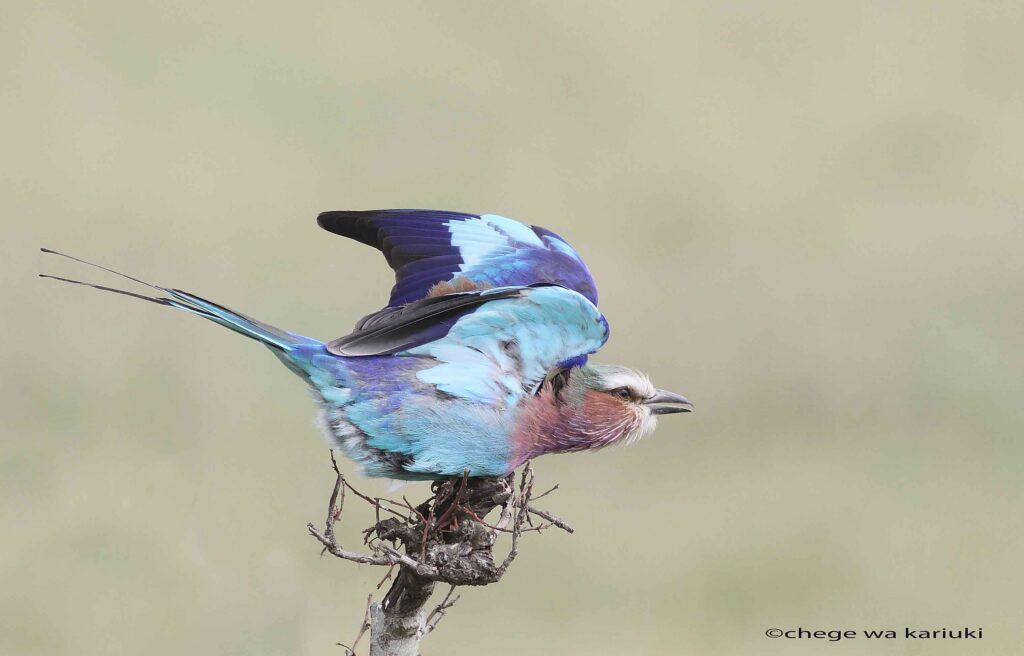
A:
x,y
506,512
332,514
449,515
351,651
375,502
544,494
553,519
495,527
387,577
522,516
440,610
332,547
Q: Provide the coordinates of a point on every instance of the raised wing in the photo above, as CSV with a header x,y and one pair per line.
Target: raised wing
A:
x,y
501,351
427,248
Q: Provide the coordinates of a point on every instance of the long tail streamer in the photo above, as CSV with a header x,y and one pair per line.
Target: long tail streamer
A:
x,y
181,300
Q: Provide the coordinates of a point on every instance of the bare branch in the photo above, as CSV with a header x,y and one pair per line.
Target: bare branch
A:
x,y
333,506
332,547
387,577
445,539
522,515
544,494
552,519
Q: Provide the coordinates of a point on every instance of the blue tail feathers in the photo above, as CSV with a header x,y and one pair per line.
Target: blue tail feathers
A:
x,y
280,341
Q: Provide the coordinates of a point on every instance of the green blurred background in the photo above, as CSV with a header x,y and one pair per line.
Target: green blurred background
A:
x,y
805,216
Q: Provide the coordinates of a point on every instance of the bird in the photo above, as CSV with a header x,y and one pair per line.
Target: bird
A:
x,y
478,363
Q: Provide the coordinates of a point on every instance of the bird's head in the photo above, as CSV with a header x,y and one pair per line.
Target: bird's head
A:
x,y
595,405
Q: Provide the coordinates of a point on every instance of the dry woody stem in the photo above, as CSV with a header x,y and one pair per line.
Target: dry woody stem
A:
x,y
445,539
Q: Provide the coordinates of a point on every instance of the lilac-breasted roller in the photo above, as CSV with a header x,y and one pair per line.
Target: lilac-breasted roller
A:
x,y
477,363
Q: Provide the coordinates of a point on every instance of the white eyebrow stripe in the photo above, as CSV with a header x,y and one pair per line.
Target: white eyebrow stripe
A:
x,y
632,380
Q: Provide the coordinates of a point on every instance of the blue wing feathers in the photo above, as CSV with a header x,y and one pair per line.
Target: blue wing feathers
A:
x,y
546,325
425,247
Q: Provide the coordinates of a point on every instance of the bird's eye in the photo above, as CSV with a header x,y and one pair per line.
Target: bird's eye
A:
x,y
622,393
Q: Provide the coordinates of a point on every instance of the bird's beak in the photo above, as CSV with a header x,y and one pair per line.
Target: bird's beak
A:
x,y
665,403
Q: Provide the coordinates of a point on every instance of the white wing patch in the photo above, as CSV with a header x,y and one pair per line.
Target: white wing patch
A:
x,y
481,239
514,229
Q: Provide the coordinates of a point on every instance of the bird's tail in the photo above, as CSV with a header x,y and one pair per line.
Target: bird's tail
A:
x,y
280,341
